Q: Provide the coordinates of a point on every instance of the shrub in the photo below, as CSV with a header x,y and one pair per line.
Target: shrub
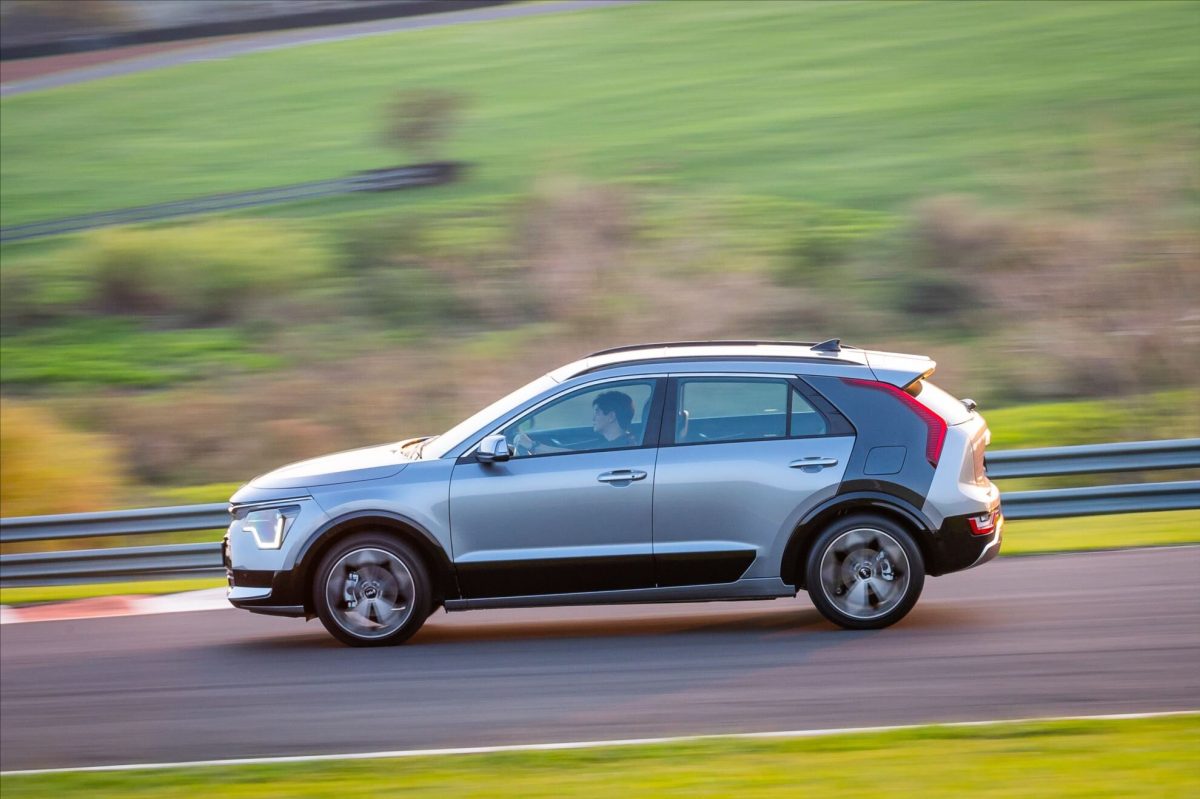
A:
x,y
575,239
39,289
202,273
824,239
1106,304
46,467
390,277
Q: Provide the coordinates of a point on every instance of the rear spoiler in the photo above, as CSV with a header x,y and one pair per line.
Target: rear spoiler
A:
x,y
898,369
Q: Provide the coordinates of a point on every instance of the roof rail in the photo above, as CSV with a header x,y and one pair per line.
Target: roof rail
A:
x,y
715,343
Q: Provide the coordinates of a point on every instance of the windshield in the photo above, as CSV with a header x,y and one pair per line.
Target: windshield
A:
x,y
438,446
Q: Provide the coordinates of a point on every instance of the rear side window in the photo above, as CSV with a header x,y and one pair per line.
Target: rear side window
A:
x,y
712,410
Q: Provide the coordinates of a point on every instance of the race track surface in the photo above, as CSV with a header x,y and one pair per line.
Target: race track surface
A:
x,y
1037,636
185,51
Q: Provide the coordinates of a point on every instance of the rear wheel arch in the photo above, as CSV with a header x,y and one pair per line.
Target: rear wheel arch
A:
x,y
795,554
436,562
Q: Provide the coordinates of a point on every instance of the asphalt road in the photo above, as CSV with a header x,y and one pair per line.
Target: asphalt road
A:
x,y
253,43
1074,634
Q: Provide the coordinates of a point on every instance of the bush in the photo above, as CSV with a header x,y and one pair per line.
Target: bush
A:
x,y
824,239
390,278
1103,304
202,273
47,468
40,289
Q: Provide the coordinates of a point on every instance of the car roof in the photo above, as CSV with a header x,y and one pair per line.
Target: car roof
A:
x,y
896,368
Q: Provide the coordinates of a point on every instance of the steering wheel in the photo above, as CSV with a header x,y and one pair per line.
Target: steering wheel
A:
x,y
521,450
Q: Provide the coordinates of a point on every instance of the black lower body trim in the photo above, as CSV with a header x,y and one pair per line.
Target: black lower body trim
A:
x,y
245,578
555,576
701,568
955,548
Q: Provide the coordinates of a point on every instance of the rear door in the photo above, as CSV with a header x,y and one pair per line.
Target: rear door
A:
x,y
741,457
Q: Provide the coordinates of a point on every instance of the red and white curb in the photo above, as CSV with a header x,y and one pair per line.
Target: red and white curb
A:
x,y
107,606
546,747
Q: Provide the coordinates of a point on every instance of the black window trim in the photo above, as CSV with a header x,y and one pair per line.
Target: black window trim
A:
x,y
835,425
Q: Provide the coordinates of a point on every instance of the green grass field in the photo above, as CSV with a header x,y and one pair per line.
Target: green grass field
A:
x,y
856,105
1093,759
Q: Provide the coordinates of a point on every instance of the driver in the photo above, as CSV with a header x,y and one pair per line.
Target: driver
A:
x,y
612,413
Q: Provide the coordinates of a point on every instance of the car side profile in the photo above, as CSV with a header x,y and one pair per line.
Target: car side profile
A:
x,y
685,471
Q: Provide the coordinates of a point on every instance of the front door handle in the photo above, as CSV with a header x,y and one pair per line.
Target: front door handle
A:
x,y
622,476
814,463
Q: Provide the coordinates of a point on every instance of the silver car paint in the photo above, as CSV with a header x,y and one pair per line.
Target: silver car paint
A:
x,y
421,489
955,490
552,507
709,496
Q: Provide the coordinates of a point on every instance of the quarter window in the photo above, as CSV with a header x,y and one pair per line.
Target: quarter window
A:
x,y
805,420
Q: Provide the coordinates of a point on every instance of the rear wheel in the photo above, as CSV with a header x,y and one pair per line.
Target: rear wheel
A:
x,y
372,590
864,572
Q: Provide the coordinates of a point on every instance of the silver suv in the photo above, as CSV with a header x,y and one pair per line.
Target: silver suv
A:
x,y
687,471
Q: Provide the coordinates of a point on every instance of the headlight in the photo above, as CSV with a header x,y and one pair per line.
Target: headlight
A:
x,y
269,526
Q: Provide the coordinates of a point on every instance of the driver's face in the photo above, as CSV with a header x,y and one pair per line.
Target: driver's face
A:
x,y
600,419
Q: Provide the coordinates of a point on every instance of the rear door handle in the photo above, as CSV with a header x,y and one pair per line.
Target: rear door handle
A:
x,y
622,476
814,463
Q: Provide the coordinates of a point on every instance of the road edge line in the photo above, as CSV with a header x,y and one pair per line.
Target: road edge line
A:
x,y
566,745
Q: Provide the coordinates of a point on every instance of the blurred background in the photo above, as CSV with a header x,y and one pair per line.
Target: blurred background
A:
x,y
1013,189
239,233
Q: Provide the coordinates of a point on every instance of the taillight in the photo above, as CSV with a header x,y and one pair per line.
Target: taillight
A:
x,y
935,425
986,523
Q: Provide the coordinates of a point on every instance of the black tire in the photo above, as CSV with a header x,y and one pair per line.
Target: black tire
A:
x,y
864,572
361,584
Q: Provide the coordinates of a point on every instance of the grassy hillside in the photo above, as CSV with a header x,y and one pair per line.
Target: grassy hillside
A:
x,y
687,170
854,104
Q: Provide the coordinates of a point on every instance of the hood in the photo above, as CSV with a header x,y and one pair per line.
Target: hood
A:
x,y
368,463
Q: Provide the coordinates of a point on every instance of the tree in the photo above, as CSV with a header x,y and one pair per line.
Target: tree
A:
x,y
420,121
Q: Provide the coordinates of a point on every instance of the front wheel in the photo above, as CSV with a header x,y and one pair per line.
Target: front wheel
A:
x,y
372,590
864,572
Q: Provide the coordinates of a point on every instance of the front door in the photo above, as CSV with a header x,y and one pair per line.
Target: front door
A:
x,y
571,510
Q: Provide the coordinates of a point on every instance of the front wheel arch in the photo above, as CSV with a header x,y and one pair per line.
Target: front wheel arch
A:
x,y
441,573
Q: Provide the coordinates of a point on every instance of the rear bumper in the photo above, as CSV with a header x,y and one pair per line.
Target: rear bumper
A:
x,y
956,547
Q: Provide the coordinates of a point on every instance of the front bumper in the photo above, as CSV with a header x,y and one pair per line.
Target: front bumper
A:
x,y
263,580
956,547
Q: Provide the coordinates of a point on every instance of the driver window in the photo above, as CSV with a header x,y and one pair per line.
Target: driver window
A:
x,y
607,416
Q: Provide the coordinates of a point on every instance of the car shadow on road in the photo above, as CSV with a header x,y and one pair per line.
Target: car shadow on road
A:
x,y
801,624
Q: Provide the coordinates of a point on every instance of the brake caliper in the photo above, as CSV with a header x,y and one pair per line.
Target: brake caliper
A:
x,y
350,596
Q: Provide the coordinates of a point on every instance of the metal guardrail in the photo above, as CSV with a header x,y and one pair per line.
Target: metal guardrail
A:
x,y
121,522
186,560
1134,456
431,174
99,565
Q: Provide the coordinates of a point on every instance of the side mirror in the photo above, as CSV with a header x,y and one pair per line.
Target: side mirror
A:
x,y
493,449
